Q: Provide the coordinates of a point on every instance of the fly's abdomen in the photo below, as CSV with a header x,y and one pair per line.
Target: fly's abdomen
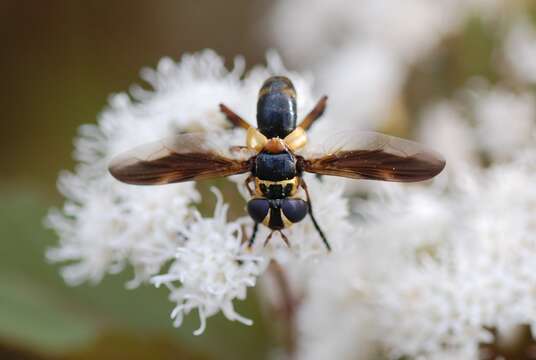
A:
x,y
276,107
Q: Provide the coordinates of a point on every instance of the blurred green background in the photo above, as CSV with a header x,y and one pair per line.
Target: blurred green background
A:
x,y
60,61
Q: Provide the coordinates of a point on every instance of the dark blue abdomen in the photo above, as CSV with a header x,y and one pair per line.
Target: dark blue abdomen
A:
x,y
276,107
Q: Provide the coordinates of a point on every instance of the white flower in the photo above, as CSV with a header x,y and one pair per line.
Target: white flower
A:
x,y
108,224
505,121
491,120
104,225
429,270
410,28
445,129
212,267
363,51
433,268
432,292
479,277
361,94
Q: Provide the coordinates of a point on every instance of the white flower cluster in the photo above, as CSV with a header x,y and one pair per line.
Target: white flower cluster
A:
x,y
211,267
434,268
106,225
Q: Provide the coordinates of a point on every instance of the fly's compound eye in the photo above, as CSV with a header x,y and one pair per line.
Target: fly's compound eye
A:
x,y
294,209
258,209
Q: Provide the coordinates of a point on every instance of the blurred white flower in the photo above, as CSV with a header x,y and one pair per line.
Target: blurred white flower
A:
x,y
482,119
434,268
336,319
520,51
104,225
408,28
479,277
505,121
362,51
431,271
362,82
445,129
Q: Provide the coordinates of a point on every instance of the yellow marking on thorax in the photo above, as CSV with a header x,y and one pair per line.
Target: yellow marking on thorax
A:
x,y
255,139
283,183
297,139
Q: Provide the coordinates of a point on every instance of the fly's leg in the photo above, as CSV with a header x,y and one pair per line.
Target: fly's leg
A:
x,y
238,148
284,237
268,238
314,114
253,234
234,118
317,227
248,181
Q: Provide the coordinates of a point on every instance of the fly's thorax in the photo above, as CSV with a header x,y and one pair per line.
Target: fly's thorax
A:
x,y
276,107
275,167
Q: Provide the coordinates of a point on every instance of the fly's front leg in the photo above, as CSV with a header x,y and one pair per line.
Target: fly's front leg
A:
x,y
285,238
268,238
314,114
310,210
248,181
234,118
238,148
253,234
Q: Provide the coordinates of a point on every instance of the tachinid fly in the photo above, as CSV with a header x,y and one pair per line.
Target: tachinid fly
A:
x,y
275,159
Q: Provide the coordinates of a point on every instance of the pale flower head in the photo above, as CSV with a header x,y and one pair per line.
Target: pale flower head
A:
x,y
362,82
504,121
445,128
211,268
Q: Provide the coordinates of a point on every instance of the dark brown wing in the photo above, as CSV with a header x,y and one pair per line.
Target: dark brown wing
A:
x,y
369,155
184,157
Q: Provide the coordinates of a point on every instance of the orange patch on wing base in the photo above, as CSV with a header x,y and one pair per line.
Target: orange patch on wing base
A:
x,y
275,146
